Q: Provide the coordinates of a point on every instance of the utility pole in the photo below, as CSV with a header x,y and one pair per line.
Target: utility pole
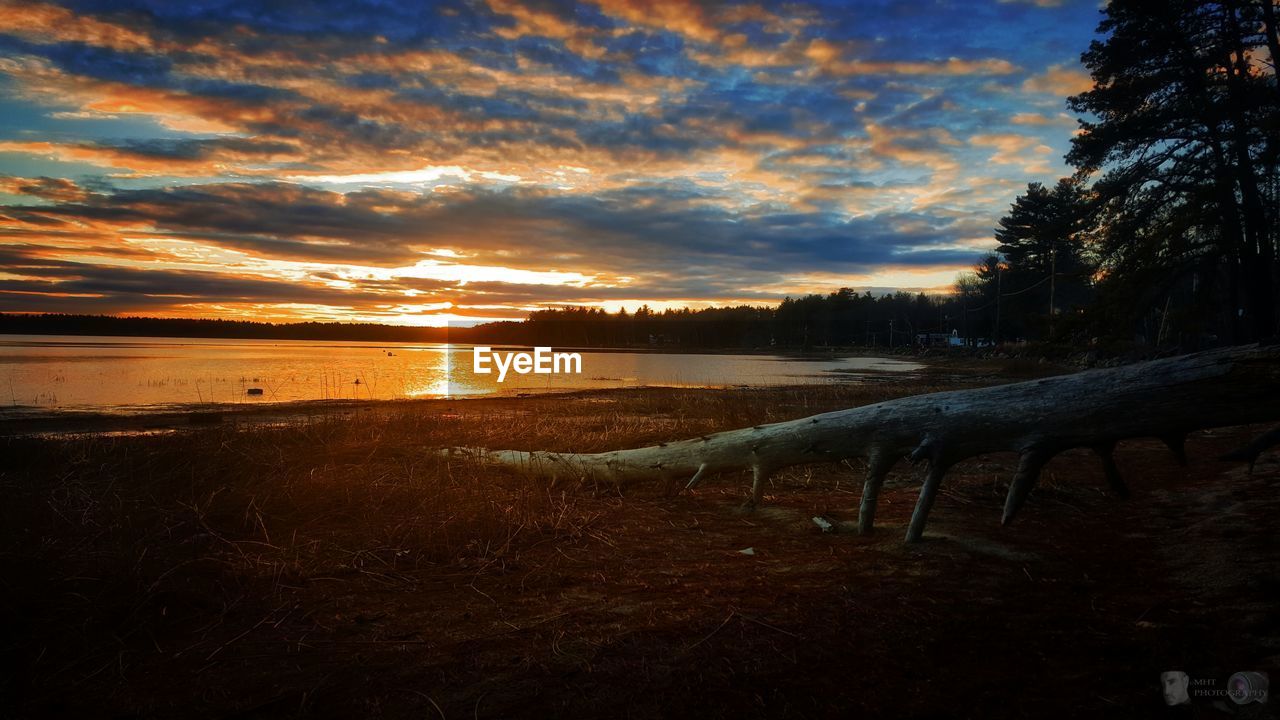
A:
x,y
891,333
995,332
1053,279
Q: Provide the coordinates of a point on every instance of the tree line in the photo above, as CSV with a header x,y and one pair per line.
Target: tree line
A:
x,y
842,318
108,325
1166,233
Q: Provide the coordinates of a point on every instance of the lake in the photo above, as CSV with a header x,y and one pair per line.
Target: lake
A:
x,y
118,374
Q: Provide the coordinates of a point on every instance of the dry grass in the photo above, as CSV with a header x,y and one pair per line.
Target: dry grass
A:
x,y
335,565
293,500
113,542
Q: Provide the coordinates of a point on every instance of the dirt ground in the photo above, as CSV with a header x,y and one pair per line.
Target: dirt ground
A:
x,y
648,603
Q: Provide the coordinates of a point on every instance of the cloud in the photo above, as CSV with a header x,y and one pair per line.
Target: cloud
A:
x,y
1032,118
289,244
1038,3
950,66
171,157
930,148
1016,149
1059,80
421,176
44,22
500,151
684,17
529,20
617,233
45,188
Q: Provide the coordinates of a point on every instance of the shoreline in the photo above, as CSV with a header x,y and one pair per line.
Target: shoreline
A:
x,y
242,416
39,420
815,353
26,421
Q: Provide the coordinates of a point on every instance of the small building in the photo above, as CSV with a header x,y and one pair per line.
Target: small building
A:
x,y
933,339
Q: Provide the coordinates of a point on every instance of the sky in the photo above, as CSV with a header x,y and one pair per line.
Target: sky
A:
x,y
422,162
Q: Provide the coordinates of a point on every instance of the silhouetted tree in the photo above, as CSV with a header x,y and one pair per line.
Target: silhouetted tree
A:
x,y
1042,241
1183,133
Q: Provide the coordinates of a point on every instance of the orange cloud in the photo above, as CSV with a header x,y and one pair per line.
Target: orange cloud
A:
x,y
712,26
685,17
219,158
1014,149
1059,80
44,23
530,21
839,59
951,66
1028,118
41,82
913,147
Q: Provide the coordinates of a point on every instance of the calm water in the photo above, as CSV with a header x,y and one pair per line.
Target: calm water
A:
x,y
132,374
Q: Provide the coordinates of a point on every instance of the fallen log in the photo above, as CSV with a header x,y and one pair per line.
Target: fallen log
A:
x,y
1038,419
1249,453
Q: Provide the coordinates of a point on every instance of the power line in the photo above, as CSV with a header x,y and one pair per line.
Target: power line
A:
x,y
1009,294
1025,289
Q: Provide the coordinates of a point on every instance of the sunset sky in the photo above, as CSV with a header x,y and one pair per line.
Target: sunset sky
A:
x,y
411,162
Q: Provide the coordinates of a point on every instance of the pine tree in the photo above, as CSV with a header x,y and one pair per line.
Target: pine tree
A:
x,y
1041,241
1182,131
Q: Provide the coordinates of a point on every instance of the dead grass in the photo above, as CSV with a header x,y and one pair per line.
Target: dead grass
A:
x,y
111,540
335,565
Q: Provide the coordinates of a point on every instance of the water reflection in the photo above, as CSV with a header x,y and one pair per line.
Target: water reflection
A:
x,y
133,373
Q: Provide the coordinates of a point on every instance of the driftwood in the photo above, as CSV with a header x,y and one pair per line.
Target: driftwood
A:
x,y
1038,419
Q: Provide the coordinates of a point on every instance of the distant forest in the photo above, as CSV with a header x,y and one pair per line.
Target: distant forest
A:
x,y
49,324
1165,235
844,318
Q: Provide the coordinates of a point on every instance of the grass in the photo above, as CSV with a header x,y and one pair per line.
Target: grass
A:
x,y
110,535
335,565
291,500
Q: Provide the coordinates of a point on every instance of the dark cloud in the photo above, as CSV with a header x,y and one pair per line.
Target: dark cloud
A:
x,y
114,283
193,149
648,230
45,188
352,18
282,220
95,62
